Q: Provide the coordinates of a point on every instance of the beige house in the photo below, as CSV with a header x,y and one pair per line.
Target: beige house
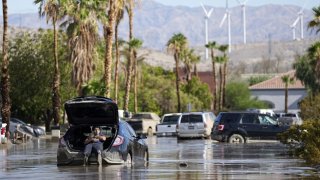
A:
x,y
272,91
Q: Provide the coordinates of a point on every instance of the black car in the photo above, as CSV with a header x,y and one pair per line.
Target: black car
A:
x,y
238,127
84,113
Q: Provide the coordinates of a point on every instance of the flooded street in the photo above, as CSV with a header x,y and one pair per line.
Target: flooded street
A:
x,y
169,159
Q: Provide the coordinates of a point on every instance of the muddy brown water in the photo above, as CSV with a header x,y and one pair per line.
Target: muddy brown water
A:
x,y
169,159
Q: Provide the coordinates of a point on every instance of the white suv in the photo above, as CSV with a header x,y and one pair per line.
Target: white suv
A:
x,y
195,124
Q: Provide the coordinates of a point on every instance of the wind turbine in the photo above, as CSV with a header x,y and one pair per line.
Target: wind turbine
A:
x,y
206,17
299,18
243,7
227,16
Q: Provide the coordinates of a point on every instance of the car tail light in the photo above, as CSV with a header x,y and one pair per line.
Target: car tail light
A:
x,y
3,130
220,127
119,140
62,143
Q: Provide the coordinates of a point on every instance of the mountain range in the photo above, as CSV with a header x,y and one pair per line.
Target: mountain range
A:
x,y
155,23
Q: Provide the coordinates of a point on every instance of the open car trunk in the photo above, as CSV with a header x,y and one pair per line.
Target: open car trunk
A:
x,y
76,136
84,113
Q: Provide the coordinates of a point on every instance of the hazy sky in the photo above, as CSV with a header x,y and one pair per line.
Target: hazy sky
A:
x,y
23,6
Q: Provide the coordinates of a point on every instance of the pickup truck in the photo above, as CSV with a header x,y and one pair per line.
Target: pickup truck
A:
x,y
168,125
144,122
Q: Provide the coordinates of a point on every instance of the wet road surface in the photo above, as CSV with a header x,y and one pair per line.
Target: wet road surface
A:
x,y
169,159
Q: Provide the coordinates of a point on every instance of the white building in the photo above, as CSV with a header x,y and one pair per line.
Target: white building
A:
x,y
272,91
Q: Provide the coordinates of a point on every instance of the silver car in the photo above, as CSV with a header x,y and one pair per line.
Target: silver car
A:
x,y
122,144
195,124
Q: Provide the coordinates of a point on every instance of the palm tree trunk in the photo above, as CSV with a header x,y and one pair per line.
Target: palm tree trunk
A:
x,y
135,85
108,31
220,88
176,58
116,71
224,84
56,81
286,99
214,90
5,83
128,84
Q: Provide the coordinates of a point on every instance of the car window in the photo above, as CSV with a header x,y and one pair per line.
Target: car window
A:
x,y
131,131
141,116
212,116
192,118
248,118
231,118
170,119
266,120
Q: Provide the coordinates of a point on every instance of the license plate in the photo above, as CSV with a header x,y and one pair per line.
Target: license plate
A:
x,y
190,127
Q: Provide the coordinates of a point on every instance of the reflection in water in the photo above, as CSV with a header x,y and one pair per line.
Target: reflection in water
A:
x,y
169,159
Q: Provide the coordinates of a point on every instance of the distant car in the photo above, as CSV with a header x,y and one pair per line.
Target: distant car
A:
x,y
32,130
168,124
238,127
195,124
122,146
144,122
289,118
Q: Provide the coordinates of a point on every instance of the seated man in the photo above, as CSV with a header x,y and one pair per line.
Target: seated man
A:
x,y
94,141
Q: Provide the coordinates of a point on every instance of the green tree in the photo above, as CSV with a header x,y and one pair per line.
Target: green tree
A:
x,y
315,23
286,79
51,9
5,78
32,72
238,97
213,45
176,44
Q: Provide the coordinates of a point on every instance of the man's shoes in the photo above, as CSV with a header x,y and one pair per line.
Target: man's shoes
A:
x,y
99,159
85,160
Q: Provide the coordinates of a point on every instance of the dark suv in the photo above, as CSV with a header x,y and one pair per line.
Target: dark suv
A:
x,y
237,127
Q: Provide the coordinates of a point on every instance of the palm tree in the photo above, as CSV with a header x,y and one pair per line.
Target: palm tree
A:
x,y
314,55
113,7
315,23
5,79
286,79
176,44
118,43
82,31
220,60
213,45
223,49
51,9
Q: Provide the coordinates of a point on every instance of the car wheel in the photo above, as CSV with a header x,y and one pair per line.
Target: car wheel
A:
x,y
150,132
236,138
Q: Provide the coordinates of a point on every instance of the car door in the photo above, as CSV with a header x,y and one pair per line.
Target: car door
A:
x,y
268,127
250,125
138,148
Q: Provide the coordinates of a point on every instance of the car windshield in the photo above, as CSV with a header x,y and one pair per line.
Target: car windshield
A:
x,y
170,119
141,116
192,118
267,120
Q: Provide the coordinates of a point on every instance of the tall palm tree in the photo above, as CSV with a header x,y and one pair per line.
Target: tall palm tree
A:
x,y
315,23
213,45
119,17
5,79
113,7
223,49
220,60
286,79
176,44
314,55
51,9
134,45
82,30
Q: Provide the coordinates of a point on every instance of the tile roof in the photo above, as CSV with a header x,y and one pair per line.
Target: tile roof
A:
x,y
276,83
